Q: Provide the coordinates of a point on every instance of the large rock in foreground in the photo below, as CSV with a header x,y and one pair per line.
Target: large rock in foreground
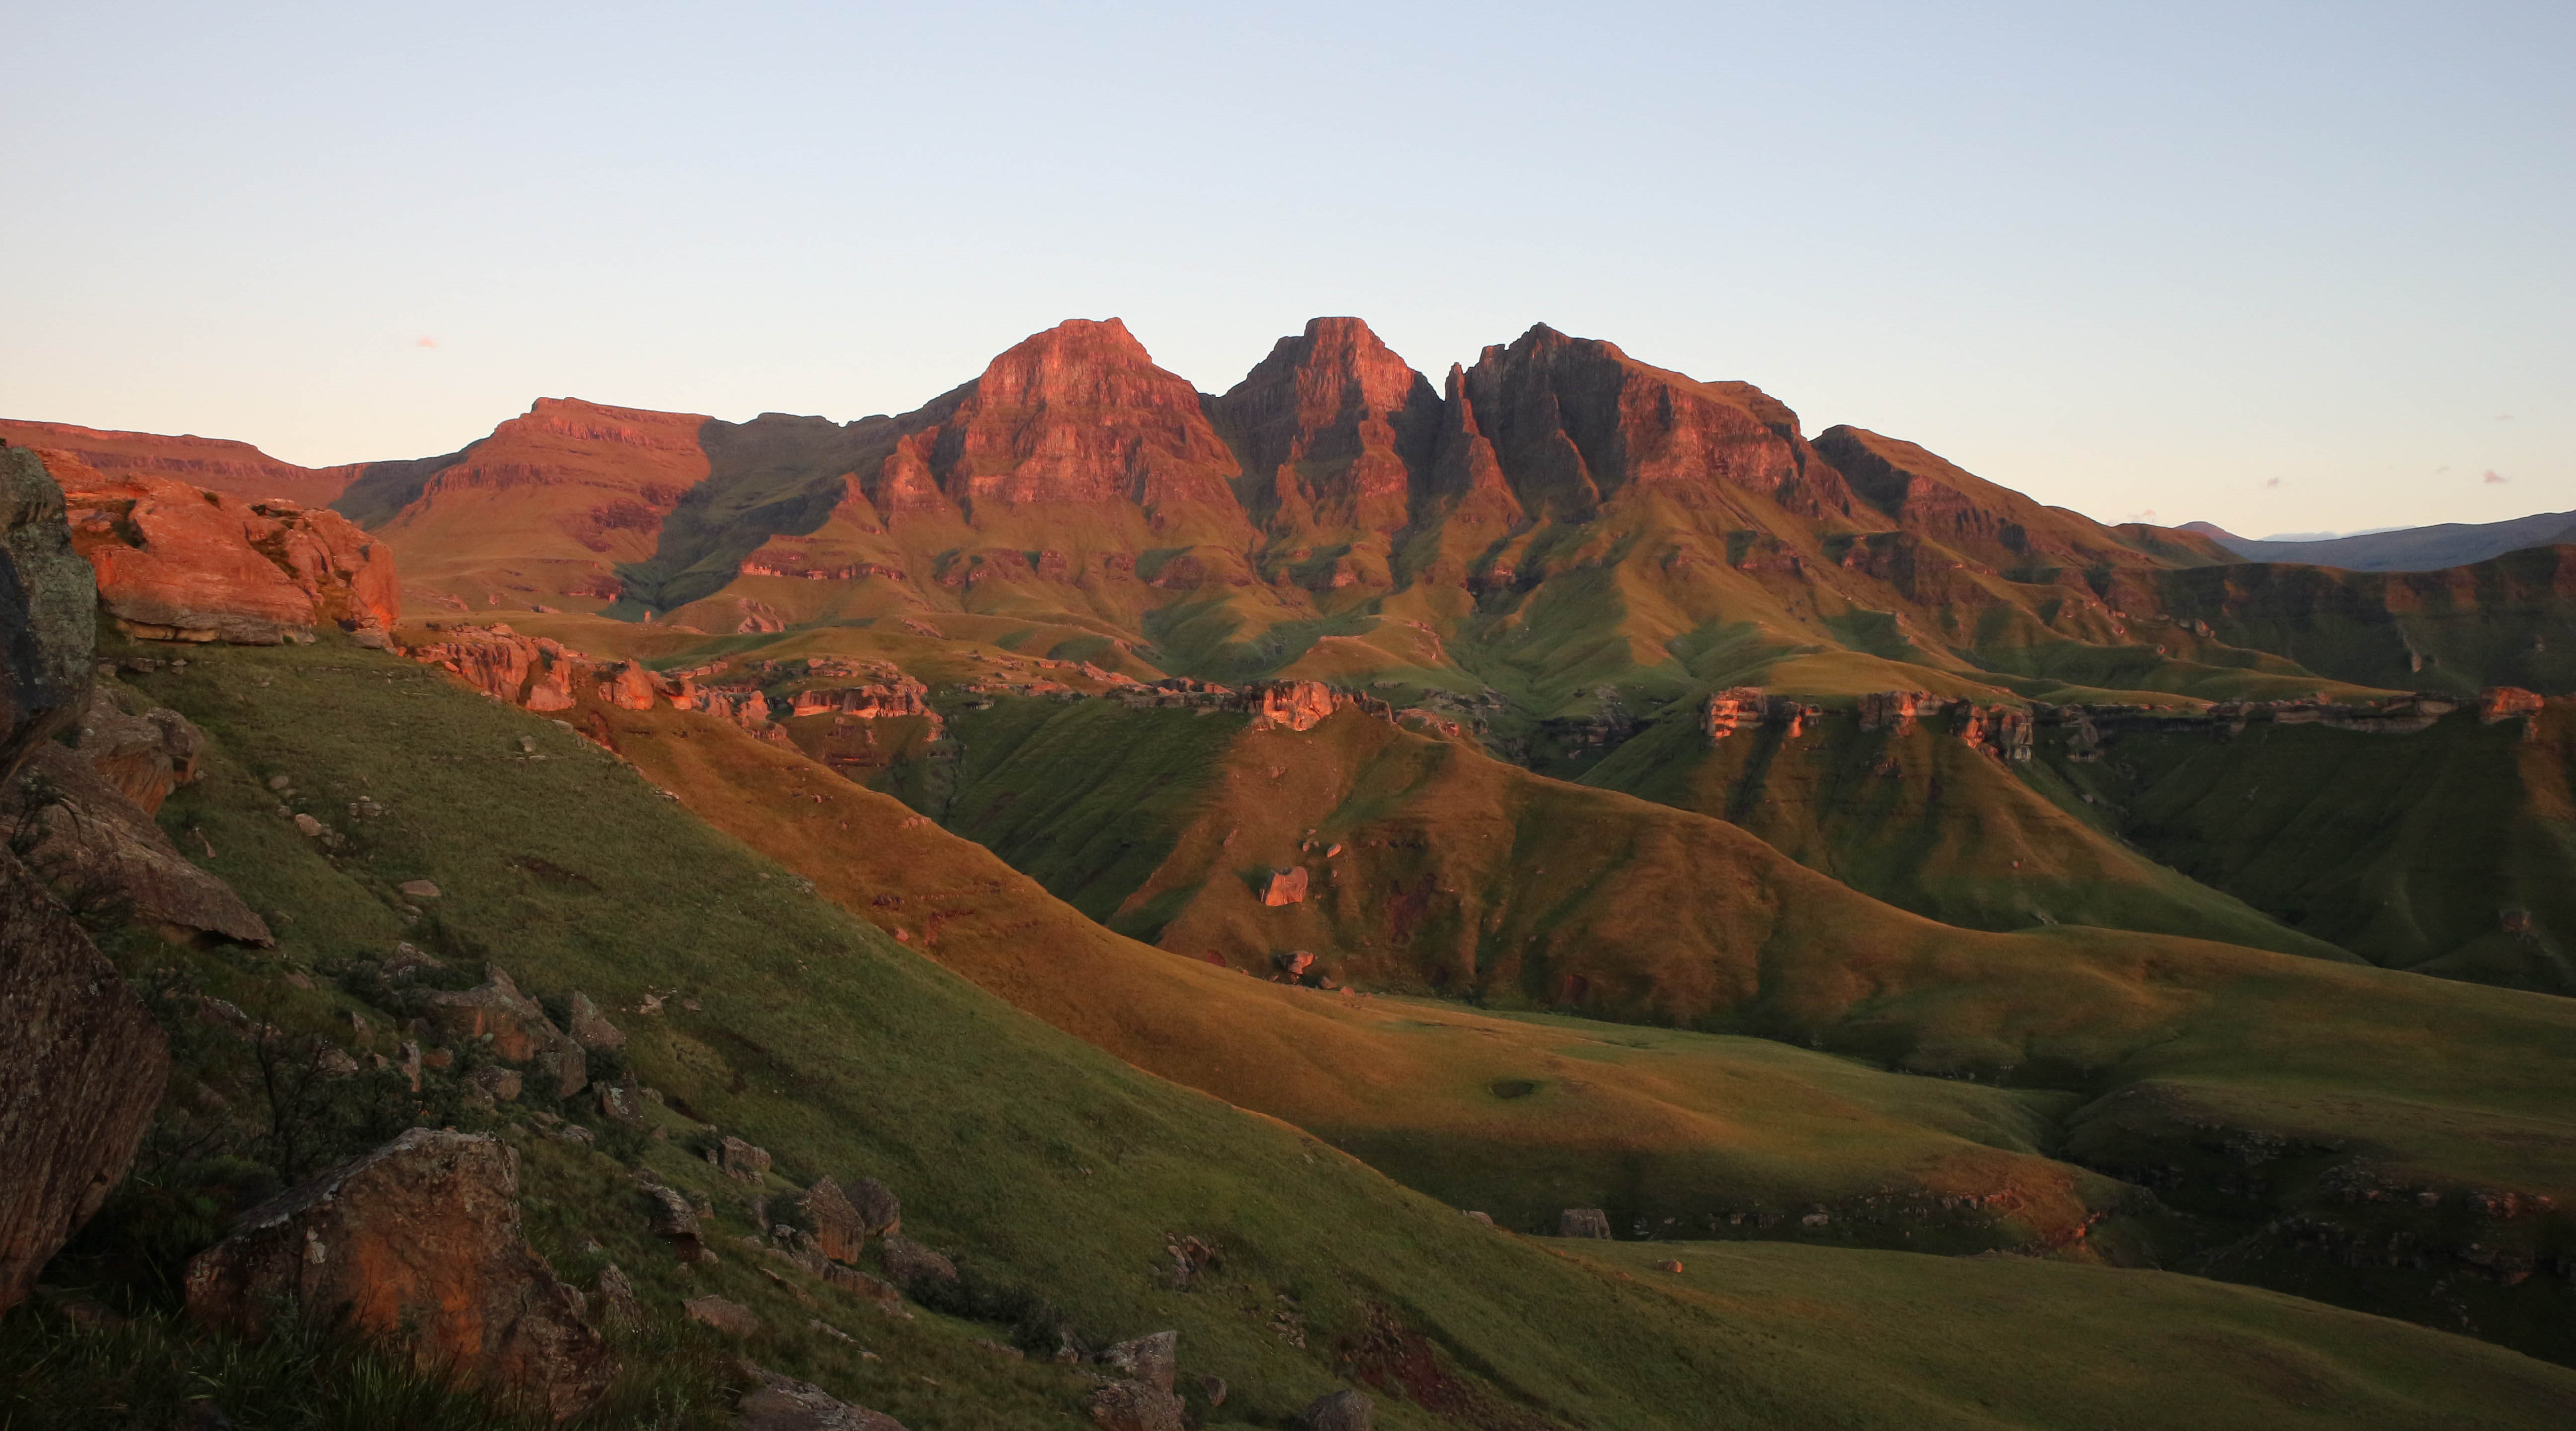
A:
x,y
81,1068
81,1061
416,1244
48,632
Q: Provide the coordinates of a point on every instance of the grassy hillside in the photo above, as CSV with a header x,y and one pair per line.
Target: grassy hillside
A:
x,y
1931,824
1061,1172
2265,1092
2450,851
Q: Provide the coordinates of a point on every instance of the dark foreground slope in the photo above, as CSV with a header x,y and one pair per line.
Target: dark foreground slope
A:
x,y
1060,1172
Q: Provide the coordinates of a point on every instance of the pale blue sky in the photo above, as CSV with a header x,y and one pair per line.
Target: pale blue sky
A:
x,y
2283,266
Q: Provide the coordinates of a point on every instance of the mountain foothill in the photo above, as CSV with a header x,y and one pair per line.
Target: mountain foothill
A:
x,y
1621,850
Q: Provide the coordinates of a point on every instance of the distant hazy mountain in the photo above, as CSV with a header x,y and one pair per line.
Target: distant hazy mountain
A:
x,y
2406,548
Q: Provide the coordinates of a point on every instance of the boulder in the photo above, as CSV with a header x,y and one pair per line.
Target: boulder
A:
x,y
177,563
518,1029
1583,1222
590,1028
617,1297
144,757
1213,1388
740,1160
81,1069
1339,1411
417,1244
725,1315
1284,887
913,1266
48,611
674,1221
840,1234
1135,1406
782,1403
879,1210
1153,1359
100,849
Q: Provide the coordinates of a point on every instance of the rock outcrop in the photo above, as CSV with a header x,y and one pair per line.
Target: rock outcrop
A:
x,y
179,563
102,851
417,1244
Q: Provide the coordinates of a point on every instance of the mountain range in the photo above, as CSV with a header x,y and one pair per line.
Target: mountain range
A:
x,y
1566,792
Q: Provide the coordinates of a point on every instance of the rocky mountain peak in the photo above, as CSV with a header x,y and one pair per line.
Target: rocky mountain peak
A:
x,y
1333,429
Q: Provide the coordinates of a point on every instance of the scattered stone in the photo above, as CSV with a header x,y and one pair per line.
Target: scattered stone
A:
x,y
729,1317
1153,1360
781,1403
1285,887
519,1030
674,1221
879,1210
1135,1406
419,1244
590,1028
501,1084
1340,1411
1003,1350
1583,1222
1484,1218
307,826
1670,1264
417,889
617,1297
911,1265
740,1159
840,1234
408,959
1213,1388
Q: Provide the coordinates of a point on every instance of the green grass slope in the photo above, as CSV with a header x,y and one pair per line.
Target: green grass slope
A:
x,y
1929,823
1059,1171
2277,1091
2449,851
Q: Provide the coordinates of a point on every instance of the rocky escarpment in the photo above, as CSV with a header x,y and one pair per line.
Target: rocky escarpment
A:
x,y
81,1062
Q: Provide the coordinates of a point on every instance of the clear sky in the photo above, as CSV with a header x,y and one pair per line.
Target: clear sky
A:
x,y
2282,266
